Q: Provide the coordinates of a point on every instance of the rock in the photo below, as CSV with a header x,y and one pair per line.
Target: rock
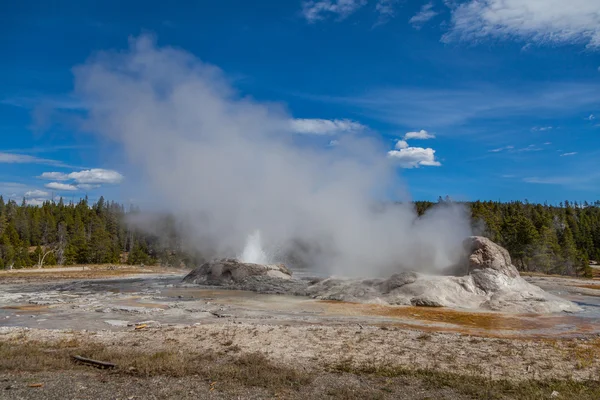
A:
x,y
424,301
227,271
398,280
116,322
483,254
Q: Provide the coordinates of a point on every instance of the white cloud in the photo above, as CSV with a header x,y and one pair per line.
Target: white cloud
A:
x,y
333,143
89,176
414,157
401,144
11,158
385,8
499,149
541,128
14,158
96,175
422,134
531,147
547,143
87,186
423,16
63,187
325,126
54,176
537,21
568,154
315,11
591,117
35,202
36,193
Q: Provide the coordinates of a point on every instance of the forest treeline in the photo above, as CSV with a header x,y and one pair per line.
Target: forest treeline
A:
x,y
558,239
544,238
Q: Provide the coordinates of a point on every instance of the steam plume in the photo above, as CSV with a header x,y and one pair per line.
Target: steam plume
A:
x,y
230,166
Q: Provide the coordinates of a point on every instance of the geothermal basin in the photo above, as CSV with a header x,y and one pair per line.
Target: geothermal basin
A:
x,y
161,300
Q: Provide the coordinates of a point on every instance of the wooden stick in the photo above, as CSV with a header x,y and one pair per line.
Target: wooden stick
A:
x,y
96,363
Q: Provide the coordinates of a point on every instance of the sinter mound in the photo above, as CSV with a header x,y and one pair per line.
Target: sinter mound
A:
x,y
491,283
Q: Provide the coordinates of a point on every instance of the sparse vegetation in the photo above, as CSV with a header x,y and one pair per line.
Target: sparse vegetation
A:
x,y
254,370
478,386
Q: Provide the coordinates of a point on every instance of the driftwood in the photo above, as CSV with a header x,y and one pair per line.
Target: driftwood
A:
x,y
95,363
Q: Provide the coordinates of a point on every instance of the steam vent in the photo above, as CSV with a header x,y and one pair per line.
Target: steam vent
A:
x,y
485,280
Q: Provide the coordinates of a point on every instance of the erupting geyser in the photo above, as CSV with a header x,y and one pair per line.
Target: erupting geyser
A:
x,y
491,282
253,251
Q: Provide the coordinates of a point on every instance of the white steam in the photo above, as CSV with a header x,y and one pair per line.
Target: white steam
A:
x,y
253,251
228,165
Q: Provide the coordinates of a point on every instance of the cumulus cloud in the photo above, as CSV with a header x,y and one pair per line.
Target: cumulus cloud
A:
x,y
54,176
314,11
96,175
536,21
223,163
423,16
414,157
88,176
401,144
36,193
422,134
87,186
325,126
35,202
61,187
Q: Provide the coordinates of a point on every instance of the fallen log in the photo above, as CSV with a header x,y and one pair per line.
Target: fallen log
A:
x,y
95,363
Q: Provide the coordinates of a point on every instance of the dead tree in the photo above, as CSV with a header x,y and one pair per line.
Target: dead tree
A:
x,y
42,257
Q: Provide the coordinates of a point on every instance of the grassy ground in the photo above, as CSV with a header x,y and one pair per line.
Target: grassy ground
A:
x,y
80,272
231,374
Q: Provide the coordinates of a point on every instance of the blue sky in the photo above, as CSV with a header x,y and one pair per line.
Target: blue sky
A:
x,y
483,99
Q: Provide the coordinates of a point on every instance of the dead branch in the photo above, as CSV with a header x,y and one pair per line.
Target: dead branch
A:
x,y
95,363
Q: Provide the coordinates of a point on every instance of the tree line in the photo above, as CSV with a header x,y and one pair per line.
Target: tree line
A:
x,y
553,239
558,239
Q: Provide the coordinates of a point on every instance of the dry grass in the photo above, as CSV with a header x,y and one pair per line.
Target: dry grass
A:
x,y
79,272
251,370
478,386
254,370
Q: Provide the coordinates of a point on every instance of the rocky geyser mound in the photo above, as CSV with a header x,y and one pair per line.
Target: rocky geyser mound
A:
x,y
234,274
489,281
